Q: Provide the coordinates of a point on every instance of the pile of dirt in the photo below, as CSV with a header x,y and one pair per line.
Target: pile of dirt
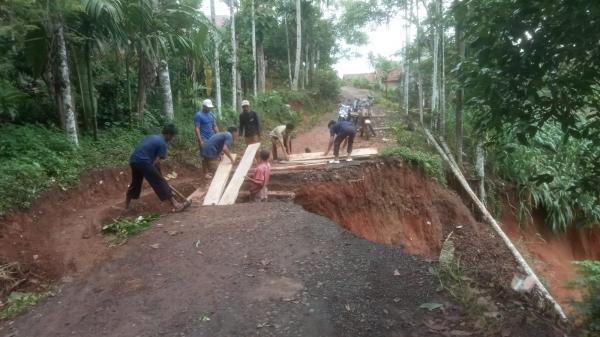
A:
x,y
61,233
392,203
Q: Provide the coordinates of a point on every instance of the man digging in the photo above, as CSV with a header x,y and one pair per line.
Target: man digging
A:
x,y
212,149
145,163
340,131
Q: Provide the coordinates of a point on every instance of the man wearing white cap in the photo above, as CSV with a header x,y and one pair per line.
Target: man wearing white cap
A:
x,y
205,122
249,125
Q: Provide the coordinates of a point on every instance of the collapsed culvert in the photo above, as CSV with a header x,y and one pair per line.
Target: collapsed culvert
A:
x,y
388,203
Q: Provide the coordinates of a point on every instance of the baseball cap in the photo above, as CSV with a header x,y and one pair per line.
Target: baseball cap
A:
x,y
207,103
245,102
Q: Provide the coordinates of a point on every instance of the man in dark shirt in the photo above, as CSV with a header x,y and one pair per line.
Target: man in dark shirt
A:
x,y
212,149
145,163
339,131
249,125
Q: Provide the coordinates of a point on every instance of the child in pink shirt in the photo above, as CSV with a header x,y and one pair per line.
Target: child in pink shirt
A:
x,y
260,180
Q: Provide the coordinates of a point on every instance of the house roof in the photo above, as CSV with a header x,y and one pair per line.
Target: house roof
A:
x,y
394,76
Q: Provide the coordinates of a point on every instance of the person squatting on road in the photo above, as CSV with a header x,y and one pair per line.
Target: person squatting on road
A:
x,y
260,179
339,131
282,136
212,149
249,124
145,163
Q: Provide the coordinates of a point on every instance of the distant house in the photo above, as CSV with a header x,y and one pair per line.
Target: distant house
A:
x,y
393,79
370,77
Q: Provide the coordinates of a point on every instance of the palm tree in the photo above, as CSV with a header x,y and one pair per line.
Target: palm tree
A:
x,y
157,32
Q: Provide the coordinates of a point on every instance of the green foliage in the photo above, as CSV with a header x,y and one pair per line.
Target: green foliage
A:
x,y
550,175
534,62
122,228
34,157
430,163
274,109
18,303
588,282
326,84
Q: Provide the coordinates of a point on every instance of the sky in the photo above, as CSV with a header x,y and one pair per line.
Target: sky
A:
x,y
385,40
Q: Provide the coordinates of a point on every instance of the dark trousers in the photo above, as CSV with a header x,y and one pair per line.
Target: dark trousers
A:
x,y
347,133
139,171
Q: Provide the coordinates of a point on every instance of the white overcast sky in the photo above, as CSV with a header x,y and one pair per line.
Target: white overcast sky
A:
x,y
385,40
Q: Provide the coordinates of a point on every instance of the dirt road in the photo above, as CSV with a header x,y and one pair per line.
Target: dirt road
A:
x,y
269,269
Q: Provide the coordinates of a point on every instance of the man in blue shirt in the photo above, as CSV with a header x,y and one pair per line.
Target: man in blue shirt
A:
x,y
145,163
205,123
212,149
339,131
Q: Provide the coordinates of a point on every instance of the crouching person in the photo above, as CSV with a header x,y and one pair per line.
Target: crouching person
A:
x,y
213,148
260,179
145,164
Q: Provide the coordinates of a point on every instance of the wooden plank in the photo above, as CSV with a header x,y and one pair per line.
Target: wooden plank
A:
x,y
233,189
370,151
197,195
219,181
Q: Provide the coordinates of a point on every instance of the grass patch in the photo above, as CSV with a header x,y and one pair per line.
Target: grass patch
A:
x,y
18,302
430,163
122,228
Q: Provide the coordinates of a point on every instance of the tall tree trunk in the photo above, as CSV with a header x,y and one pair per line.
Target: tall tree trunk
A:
x,y
146,74
261,68
90,87
165,88
419,74
442,106
287,44
460,92
213,17
298,45
306,66
254,62
406,60
434,78
234,77
63,87
239,90
480,170
78,62
129,96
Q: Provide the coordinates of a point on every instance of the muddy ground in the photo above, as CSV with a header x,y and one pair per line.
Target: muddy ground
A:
x,y
269,269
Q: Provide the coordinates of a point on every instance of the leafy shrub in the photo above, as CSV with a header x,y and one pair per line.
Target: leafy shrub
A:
x,y
122,228
18,302
327,84
430,163
549,173
34,157
274,109
589,282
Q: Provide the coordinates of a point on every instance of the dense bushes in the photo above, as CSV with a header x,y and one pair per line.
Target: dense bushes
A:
x,y
550,174
413,148
34,157
589,306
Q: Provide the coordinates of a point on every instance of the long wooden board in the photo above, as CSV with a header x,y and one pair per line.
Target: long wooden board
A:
x,y
219,181
233,189
370,151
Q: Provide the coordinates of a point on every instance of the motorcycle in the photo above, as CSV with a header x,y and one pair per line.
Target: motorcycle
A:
x,y
366,127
